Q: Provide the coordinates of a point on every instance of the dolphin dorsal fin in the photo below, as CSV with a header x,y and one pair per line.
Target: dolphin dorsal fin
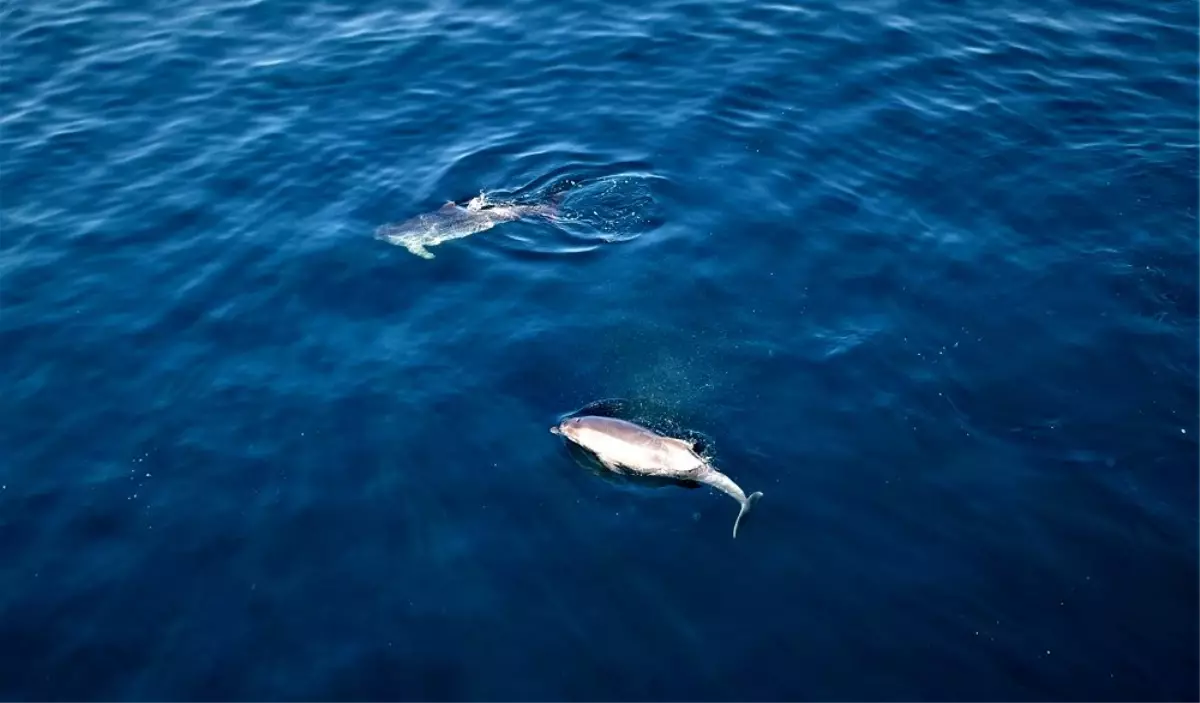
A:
x,y
689,444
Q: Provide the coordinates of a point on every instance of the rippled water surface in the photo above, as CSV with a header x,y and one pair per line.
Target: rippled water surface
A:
x,y
923,273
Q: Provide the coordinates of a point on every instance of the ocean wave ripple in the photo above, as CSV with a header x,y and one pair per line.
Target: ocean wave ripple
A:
x,y
965,232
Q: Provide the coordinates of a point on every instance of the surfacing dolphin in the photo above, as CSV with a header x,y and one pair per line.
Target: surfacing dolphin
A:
x,y
626,448
453,222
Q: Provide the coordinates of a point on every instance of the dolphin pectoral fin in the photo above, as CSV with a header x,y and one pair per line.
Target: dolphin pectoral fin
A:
x,y
419,250
611,465
749,503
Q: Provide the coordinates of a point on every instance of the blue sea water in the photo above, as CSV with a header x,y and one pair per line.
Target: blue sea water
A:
x,y
925,274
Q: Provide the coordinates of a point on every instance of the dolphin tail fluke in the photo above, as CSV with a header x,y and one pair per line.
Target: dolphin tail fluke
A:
x,y
746,505
723,483
554,197
550,208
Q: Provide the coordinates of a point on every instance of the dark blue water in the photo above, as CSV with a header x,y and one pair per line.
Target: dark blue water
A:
x,y
924,272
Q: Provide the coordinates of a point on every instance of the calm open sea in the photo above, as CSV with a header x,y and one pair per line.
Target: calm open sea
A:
x,y
923,272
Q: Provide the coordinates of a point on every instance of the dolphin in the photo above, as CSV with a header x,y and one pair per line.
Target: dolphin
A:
x,y
626,448
452,221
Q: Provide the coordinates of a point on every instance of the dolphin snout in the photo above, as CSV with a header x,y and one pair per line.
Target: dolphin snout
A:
x,y
555,430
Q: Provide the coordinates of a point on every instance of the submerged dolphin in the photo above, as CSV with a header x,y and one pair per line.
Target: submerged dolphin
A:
x,y
452,222
625,448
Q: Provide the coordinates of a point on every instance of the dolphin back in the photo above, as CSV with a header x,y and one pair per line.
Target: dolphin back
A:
x,y
622,429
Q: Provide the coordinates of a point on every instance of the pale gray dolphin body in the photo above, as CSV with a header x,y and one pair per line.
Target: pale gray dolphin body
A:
x,y
623,447
453,222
